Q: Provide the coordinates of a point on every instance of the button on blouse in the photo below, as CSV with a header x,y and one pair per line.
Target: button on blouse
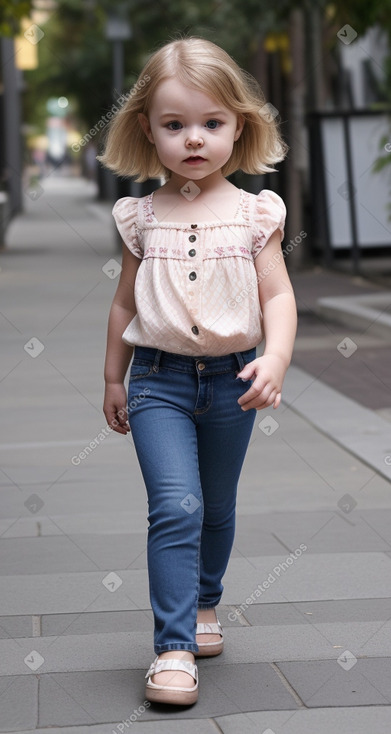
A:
x,y
213,308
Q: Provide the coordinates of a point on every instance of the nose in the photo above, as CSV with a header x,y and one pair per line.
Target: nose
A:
x,y
193,140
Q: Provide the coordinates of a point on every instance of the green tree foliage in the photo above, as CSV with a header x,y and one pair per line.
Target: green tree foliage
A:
x,y
11,11
75,57
74,61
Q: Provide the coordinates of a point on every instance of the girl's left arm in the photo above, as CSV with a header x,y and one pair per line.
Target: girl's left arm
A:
x,y
279,324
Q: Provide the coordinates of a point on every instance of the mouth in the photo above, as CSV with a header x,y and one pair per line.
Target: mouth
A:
x,y
194,159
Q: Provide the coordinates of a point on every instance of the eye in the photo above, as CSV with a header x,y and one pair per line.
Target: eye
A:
x,y
174,125
213,124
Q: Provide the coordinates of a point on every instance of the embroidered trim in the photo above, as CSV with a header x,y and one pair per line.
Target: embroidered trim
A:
x,y
245,205
147,209
209,253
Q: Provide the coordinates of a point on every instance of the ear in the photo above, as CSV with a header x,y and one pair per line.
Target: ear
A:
x,y
144,122
239,127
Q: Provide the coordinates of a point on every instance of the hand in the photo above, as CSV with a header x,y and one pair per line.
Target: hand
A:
x,y
115,407
269,372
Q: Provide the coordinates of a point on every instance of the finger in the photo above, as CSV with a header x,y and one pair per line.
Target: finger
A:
x,y
262,401
122,422
115,425
277,401
122,416
253,392
113,421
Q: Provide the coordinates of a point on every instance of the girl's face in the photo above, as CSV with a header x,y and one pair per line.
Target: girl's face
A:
x,y
193,133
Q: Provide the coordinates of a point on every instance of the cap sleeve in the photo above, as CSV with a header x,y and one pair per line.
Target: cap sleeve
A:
x,y
269,215
125,215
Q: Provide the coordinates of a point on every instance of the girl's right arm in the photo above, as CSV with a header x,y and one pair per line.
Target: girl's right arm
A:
x,y
118,353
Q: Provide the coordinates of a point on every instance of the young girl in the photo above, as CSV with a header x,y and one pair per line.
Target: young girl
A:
x,y
203,281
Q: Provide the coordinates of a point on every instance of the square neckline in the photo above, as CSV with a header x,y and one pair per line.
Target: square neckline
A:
x,y
211,222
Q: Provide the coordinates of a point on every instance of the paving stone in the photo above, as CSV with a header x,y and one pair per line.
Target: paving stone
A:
x,y
296,642
96,622
17,626
321,576
72,553
326,683
18,703
354,427
172,726
329,531
88,698
360,720
315,612
367,367
73,592
132,649
310,577
112,523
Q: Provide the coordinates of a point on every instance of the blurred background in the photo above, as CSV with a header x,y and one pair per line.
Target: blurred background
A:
x,y
324,68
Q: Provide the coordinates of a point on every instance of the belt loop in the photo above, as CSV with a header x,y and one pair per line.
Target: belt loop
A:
x,y
240,359
157,360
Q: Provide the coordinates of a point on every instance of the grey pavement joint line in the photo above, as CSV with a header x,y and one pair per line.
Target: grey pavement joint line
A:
x,y
74,543
205,673
323,526
376,531
288,686
75,306
368,480
10,478
242,619
72,621
342,516
309,621
10,526
216,725
375,633
387,700
70,696
36,625
281,543
72,228
14,639
321,685
375,375
60,476
11,683
244,557
318,316
135,559
375,319
315,379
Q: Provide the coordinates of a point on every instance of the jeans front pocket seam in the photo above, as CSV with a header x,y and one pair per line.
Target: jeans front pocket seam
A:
x,y
140,376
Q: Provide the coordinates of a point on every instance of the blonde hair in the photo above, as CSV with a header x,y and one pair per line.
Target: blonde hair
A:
x,y
201,65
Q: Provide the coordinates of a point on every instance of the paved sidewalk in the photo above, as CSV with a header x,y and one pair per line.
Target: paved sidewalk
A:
x,y
307,603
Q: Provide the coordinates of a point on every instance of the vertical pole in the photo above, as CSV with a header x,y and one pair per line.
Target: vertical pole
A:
x,y
296,163
13,143
351,192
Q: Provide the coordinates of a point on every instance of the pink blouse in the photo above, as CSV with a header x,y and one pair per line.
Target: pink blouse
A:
x,y
196,289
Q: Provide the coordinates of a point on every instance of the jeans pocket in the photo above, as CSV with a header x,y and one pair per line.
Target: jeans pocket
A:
x,y
140,369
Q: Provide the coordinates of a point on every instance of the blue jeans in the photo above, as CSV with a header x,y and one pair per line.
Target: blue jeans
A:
x,y
191,437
